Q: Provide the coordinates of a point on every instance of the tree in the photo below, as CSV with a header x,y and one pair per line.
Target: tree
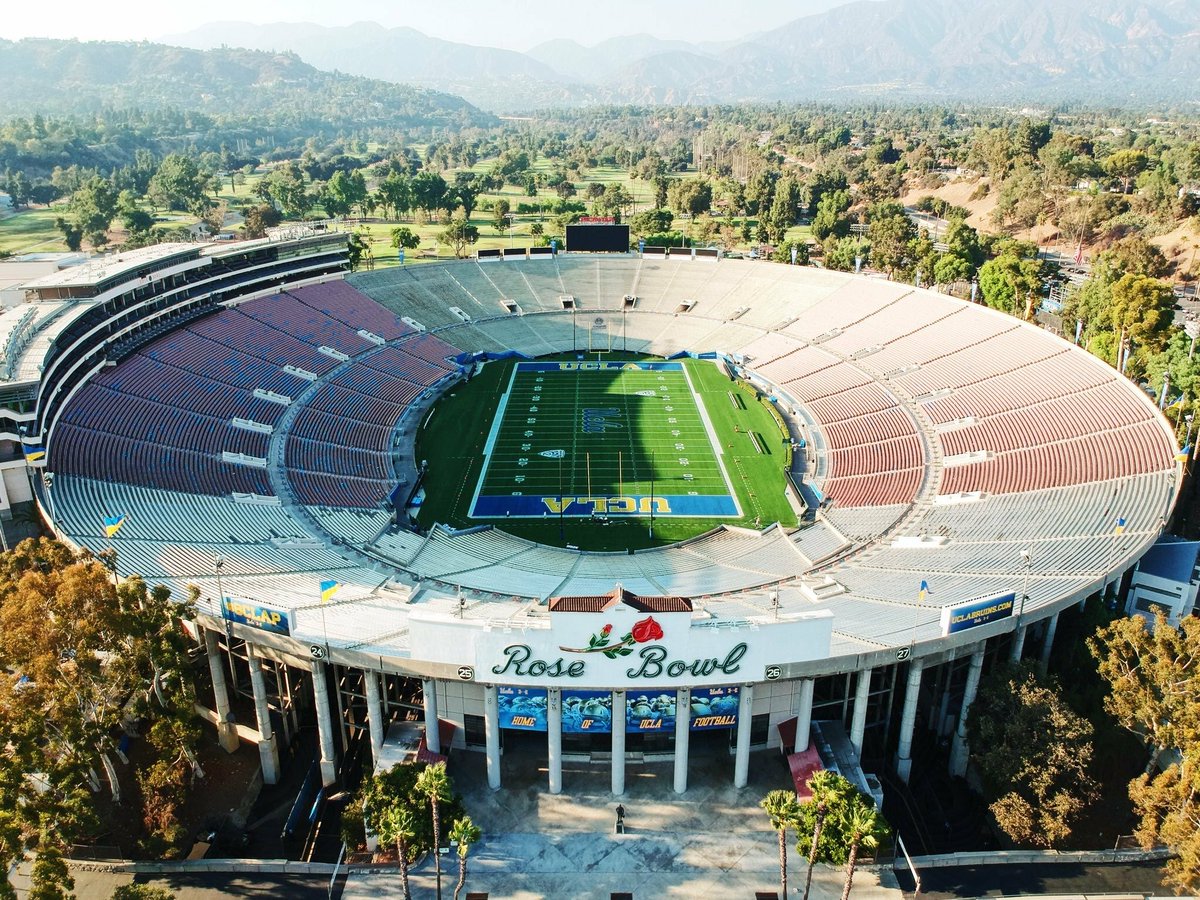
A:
x,y
286,188
51,879
397,825
1032,752
93,207
829,219
397,787
140,892
500,210
467,188
72,233
783,809
464,833
866,828
1142,310
434,784
827,789
1126,165
1154,677
405,238
784,209
459,233
689,196
179,184
359,252
651,221
891,233
429,191
1008,283
257,219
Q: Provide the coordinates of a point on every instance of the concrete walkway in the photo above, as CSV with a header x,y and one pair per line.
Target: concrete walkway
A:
x,y
712,842
592,866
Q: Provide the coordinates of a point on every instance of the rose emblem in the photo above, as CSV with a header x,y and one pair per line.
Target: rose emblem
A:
x,y
646,630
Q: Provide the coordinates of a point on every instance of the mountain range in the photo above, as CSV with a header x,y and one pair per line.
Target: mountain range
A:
x,y
1043,51
72,77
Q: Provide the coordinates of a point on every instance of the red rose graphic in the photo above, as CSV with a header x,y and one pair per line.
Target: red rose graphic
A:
x,y
647,630
606,630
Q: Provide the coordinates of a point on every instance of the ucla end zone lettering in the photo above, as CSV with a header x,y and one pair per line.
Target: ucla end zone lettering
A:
x,y
244,612
612,366
541,505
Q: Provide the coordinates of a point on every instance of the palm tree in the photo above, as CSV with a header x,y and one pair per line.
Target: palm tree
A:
x,y
434,784
826,789
783,809
865,826
464,832
398,826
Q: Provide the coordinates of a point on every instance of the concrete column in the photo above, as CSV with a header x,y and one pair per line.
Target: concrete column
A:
x,y
433,740
683,721
1018,643
908,719
959,750
618,742
858,719
554,737
804,715
1048,642
226,732
268,747
375,721
491,734
324,724
741,763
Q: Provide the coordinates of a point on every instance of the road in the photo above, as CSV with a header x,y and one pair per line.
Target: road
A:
x,y
1050,878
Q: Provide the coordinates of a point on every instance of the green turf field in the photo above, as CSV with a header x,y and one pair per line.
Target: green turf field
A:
x,y
475,440
602,438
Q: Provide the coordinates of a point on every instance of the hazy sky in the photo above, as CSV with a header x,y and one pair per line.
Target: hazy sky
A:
x,y
517,24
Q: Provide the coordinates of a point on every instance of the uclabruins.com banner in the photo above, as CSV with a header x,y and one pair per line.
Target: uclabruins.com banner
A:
x,y
264,618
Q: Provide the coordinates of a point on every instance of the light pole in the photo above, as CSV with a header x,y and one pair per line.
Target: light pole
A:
x,y
218,564
1018,643
1187,441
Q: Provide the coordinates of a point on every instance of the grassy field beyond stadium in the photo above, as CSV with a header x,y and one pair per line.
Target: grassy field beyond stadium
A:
x,y
580,452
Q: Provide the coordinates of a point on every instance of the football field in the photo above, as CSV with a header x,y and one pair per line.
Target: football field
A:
x,y
600,439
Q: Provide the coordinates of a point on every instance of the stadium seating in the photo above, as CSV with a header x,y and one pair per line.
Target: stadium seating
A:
x,y
932,420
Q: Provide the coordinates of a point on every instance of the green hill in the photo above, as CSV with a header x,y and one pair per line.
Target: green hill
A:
x,y
54,77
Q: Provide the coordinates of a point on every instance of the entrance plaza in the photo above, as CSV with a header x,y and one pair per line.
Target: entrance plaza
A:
x,y
712,842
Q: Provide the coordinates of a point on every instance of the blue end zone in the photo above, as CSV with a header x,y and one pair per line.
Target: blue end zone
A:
x,y
599,366
664,505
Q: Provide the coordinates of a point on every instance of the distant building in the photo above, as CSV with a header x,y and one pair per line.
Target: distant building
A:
x,y
1166,580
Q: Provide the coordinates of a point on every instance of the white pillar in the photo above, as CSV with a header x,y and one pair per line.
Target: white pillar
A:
x,y
618,742
433,739
226,731
491,734
268,747
554,737
858,719
959,750
908,719
741,764
324,724
375,721
683,721
1018,643
1048,642
804,715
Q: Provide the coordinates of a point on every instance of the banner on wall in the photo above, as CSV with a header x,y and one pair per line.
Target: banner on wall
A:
x,y
587,712
522,708
714,708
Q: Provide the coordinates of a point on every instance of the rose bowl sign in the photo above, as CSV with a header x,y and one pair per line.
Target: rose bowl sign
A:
x,y
618,648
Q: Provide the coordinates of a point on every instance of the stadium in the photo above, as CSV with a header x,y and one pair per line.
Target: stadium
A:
x,y
730,504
